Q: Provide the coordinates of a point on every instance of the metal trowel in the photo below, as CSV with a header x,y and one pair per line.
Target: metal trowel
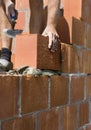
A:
x,y
12,32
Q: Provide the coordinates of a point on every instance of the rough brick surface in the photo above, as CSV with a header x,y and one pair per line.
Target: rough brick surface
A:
x,y
63,30
86,11
8,96
69,59
34,93
85,61
88,87
48,120
77,88
81,33
68,117
23,123
83,113
88,36
35,53
78,32
59,90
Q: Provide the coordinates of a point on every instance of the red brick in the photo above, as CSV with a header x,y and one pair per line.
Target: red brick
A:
x,y
32,50
78,32
88,87
22,4
88,127
34,93
23,123
85,61
77,88
48,120
86,11
83,113
69,59
69,120
21,21
59,90
63,30
8,96
88,32
71,8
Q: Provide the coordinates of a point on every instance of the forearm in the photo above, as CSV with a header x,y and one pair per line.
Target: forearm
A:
x,y
53,6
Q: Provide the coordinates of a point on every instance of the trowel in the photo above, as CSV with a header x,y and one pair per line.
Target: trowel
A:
x,y
12,32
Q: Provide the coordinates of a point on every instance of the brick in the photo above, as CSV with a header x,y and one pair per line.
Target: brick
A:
x,y
48,120
71,8
83,113
23,123
68,117
69,59
85,61
34,93
88,127
77,88
78,32
8,96
88,87
63,30
59,90
88,32
86,11
32,50
21,21
22,4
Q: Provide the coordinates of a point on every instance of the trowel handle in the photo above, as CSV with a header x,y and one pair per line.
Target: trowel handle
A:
x,y
14,17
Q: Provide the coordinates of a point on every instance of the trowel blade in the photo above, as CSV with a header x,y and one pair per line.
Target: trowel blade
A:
x,y
12,33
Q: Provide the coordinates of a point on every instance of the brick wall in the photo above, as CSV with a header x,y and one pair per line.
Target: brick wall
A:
x,y
57,102
45,103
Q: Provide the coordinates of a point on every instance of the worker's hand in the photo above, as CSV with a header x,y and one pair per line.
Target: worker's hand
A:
x,y
53,38
11,12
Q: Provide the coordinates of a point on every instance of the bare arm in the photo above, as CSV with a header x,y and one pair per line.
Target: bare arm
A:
x,y
50,30
53,6
9,9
